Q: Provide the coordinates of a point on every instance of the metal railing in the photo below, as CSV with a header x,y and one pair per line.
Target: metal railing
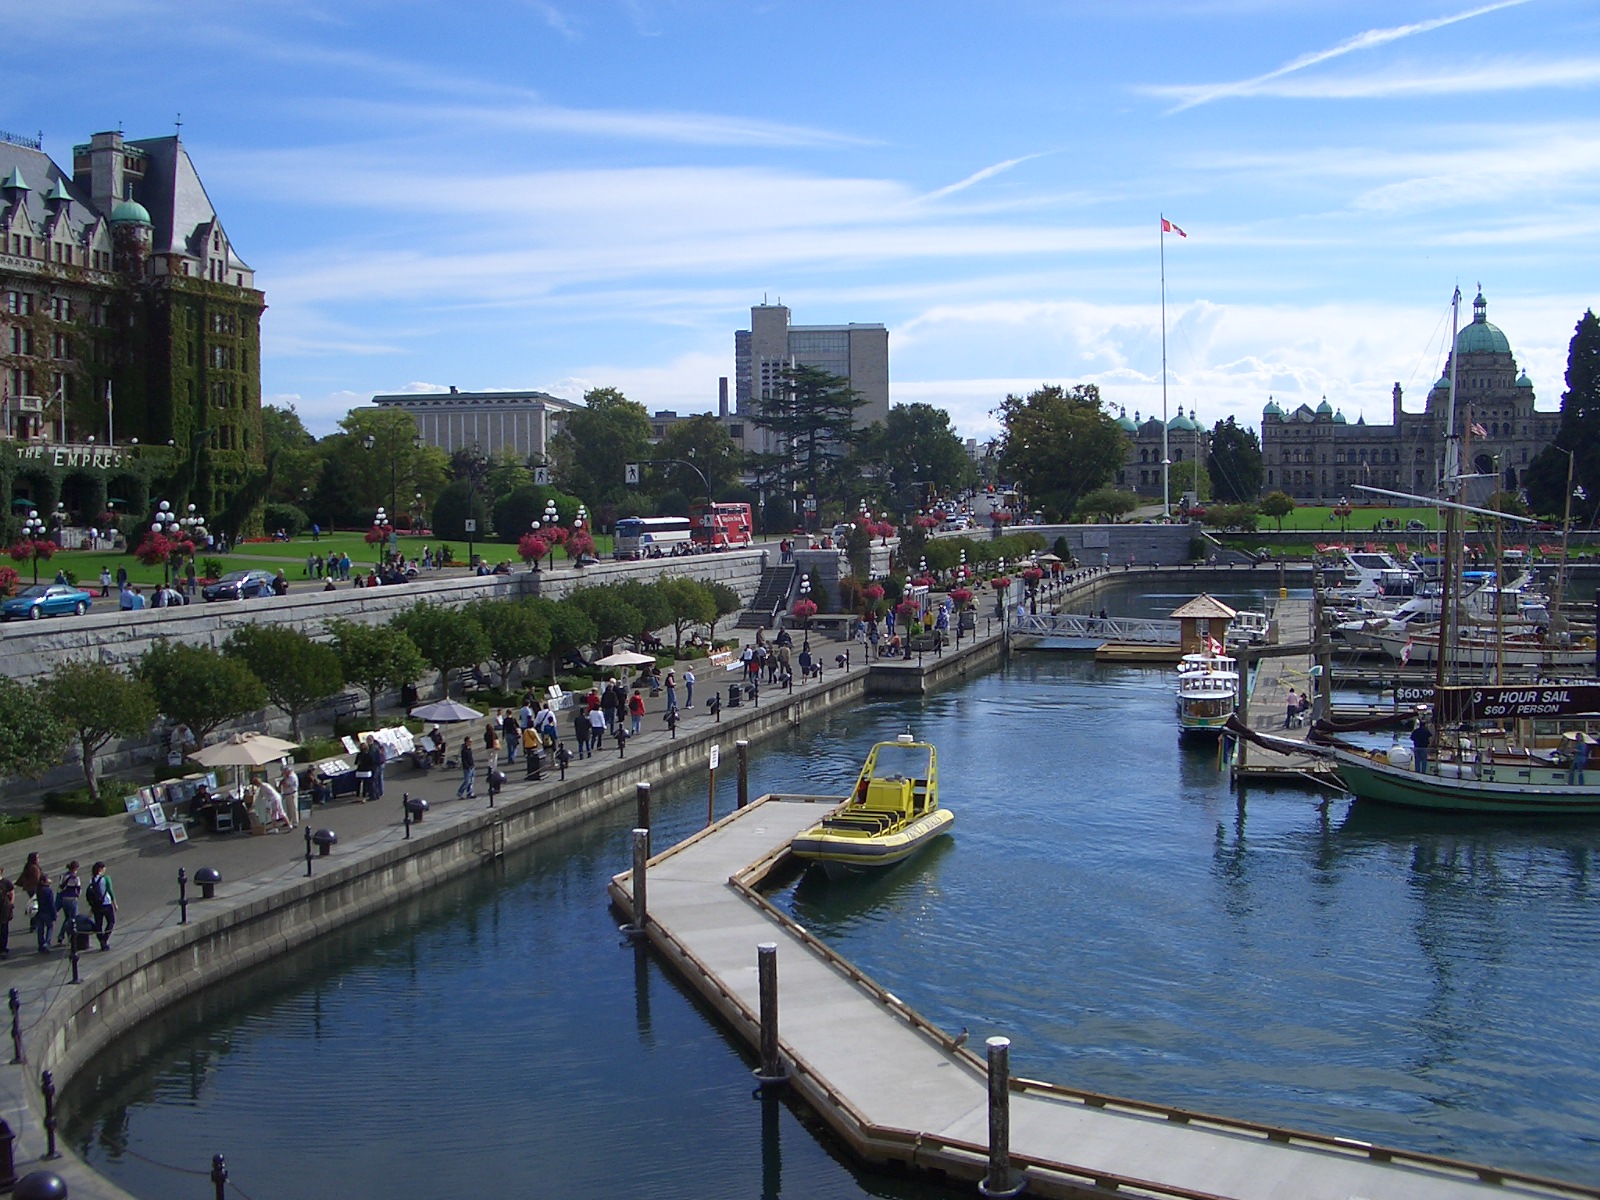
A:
x,y
1142,630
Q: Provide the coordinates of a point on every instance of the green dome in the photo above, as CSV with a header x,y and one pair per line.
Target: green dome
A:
x,y
1126,423
1524,382
1324,409
1443,384
1272,409
1481,337
1181,424
131,212
1338,419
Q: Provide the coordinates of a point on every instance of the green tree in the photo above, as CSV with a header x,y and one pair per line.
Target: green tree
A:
x,y
458,503
513,630
570,627
448,638
95,702
1234,464
1181,479
376,658
517,510
297,671
1546,476
296,462
395,467
655,611
1232,516
1107,504
812,414
1059,444
690,603
597,441
1276,505
921,452
199,687
703,441
613,616
31,736
726,602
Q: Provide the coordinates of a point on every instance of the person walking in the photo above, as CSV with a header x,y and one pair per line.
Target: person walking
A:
x,y
511,731
597,730
580,729
688,687
105,582
608,707
491,746
468,769
289,789
364,769
67,902
1291,707
636,713
45,919
672,690
102,904
28,878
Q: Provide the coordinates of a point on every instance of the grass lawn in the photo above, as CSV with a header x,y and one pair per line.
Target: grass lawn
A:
x,y
1319,518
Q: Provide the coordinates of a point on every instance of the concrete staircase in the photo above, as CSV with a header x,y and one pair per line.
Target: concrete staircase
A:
x,y
771,597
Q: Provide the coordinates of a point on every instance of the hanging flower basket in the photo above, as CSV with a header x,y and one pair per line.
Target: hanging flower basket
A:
x,y
908,609
1032,575
804,610
961,595
873,592
532,548
378,534
1000,582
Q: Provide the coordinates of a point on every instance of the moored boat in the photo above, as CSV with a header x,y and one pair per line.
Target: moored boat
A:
x,y
893,811
1208,692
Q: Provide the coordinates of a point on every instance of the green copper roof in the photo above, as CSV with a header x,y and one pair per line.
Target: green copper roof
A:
x,y
1181,424
1523,381
1272,409
1324,409
1126,423
1338,418
130,211
1481,337
59,191
15,180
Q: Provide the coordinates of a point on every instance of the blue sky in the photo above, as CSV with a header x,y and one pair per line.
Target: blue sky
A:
x,y
564,195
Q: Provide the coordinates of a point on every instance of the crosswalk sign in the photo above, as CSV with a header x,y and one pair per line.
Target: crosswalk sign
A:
x,y
631,473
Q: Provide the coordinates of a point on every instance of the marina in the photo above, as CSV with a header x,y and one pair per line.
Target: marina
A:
x,y
1155,936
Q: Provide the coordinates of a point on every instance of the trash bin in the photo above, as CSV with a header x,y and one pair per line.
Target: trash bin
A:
x,y
735,695
81,929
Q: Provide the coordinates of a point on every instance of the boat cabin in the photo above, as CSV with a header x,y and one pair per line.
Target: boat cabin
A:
x,y
1201,620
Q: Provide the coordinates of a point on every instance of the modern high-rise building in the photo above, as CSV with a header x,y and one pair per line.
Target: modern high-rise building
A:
x,y
856,353
127,323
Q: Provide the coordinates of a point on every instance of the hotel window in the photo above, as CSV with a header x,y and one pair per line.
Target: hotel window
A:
x,y
20,303
21,340
60,346
61,308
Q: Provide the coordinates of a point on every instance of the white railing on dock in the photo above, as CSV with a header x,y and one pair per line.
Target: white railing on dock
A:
x,y
1152,631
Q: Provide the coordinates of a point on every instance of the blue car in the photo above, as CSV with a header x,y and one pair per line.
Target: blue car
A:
x,y
46,600
239,585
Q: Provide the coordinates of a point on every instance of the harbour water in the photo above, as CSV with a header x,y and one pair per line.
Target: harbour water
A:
x,y
1105,901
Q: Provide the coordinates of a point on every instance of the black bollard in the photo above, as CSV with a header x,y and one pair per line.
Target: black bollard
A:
x,y
48,1083
17,1053
770,1073
1000,1181
219,1176
742,750
183,896
494,775
308,851
72,950
715,705
622,741
563,758
40,1185
671,718
405,809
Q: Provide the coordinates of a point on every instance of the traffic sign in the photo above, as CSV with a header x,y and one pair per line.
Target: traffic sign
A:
x,y
630,473
471,525
541,475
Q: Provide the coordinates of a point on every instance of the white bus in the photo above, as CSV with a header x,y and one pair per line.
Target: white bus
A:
x,y
651,537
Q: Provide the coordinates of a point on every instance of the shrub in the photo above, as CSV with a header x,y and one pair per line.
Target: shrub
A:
x,y
78,802
14,829
287,517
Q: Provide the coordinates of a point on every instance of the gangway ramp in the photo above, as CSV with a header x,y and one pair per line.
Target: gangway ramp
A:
x,y
898,1090
1080,632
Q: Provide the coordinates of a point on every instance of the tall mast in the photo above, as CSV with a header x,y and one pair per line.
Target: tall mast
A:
x,y
1166,456
1450,485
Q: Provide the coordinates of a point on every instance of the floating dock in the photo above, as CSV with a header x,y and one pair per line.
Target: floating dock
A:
x,y
1266,698
898,1090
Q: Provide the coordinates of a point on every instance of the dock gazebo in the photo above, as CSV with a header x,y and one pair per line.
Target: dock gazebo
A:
x,y
1203,617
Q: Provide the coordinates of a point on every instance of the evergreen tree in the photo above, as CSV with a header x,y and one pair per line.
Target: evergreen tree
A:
x,y
812,414
1059,444
1234,464
1546,477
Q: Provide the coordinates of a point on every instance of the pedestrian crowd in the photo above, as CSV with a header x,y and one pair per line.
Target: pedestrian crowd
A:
x,y
53,905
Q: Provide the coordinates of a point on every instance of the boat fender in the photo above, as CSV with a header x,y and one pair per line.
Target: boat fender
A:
x,y
1401,756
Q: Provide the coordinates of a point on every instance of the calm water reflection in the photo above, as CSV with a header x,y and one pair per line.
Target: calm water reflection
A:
x,y
1105,901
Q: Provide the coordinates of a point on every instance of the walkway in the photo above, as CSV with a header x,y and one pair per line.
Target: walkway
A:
x,y
1266,702
898,1089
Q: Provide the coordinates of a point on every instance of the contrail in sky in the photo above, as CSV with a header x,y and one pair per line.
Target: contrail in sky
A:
x,y
1368,40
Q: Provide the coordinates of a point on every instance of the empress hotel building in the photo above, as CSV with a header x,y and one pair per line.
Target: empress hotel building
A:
x,y
1316,455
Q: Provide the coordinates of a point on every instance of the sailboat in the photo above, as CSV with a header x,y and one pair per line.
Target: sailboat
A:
x,y
1497,749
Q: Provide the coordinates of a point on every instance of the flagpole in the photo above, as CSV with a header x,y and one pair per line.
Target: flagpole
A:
x,y
1166,456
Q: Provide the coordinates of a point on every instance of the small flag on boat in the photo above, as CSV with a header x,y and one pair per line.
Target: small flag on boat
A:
x,y
1405,653
1168,227
1479,430
1213,645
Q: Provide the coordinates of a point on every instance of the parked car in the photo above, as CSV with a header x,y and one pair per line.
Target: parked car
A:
x,y
239,585
1416,526
46,600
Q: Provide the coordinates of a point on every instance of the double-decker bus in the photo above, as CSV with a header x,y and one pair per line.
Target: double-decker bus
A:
x,y
651,537
722,526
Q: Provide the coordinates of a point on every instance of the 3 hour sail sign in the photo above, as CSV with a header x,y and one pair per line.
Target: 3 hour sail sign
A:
x,y
1453,705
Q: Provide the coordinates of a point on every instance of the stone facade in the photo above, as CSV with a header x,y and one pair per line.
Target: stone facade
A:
x,y
1317,456
493,423
1186,441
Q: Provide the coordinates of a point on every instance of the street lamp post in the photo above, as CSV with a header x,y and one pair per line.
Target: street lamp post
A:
x,y
33,531
552,518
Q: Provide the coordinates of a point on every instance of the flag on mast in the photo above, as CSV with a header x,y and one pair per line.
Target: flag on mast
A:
x,y
1168,227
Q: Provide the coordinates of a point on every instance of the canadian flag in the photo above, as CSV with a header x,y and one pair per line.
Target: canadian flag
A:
x,y
1405,653
1479,430
1213,645
1168,227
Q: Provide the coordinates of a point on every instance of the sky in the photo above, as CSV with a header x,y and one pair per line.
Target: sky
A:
x,y
560,195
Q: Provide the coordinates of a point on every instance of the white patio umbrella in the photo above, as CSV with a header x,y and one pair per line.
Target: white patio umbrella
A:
x,y
626,658
444,712
243,750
